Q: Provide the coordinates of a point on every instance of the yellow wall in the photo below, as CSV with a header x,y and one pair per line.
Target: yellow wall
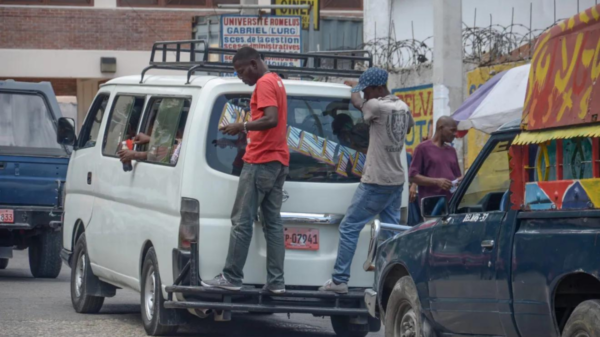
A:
x,y
476,139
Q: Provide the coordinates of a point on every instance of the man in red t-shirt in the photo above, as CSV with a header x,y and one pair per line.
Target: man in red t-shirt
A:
x,y
261,182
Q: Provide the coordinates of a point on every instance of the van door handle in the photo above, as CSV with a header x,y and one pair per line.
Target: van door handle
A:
x,y
487,244
89,178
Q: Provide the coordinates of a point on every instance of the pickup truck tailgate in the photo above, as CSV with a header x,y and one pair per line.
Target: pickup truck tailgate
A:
x,y
31,181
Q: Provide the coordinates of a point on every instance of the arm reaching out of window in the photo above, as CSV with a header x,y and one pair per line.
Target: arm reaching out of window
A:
x,y
141,138
129,155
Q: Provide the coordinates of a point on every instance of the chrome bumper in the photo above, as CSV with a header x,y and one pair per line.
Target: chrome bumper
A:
x,y
376,228
371,302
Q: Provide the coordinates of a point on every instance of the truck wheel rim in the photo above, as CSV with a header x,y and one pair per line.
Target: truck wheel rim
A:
x,y
406,322
79,272
580,333
149,294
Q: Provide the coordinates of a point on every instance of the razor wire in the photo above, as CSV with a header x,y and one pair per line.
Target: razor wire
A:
x,y
481,45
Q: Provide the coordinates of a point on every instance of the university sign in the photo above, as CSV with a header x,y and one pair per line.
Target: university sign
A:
x,y
264,33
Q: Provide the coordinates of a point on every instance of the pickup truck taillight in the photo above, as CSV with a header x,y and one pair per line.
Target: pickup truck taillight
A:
x,y
189,228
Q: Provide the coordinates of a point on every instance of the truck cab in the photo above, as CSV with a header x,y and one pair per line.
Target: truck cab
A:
x,y
518,255
33,169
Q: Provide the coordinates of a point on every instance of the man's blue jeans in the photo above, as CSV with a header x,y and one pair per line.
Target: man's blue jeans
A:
x,y
368,202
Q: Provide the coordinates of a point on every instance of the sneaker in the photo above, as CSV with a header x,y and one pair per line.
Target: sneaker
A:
x,y
220,282
274,289
341,288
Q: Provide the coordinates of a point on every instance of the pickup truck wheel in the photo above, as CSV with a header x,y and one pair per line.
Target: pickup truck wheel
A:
x,y
152,299
584,321
403,313
44,255
343,328
3,263
82,303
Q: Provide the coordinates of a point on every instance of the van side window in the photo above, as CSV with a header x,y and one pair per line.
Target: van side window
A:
x,y
327,138
89,132
123,122
165,126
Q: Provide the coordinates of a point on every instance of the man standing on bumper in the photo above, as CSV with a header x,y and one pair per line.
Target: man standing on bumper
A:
x,y
261,181
380,191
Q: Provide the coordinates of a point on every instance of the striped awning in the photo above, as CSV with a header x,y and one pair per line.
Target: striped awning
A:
x,y
538,137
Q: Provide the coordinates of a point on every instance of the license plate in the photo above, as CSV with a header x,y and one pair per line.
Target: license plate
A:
x,y
7,216
301,238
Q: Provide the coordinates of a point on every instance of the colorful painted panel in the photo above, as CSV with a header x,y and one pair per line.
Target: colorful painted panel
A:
x,y
517,157
564,70
576,158
565,194
537,137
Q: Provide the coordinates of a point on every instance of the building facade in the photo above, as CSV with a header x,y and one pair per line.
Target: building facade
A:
x,y
63,41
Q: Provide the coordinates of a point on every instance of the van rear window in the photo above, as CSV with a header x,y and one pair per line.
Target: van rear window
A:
x,y
327,137
26,125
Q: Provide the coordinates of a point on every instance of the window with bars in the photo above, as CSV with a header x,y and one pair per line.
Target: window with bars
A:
x,y
49,2
174,3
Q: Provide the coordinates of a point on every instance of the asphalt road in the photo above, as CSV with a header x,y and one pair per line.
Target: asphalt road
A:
x,y
42,307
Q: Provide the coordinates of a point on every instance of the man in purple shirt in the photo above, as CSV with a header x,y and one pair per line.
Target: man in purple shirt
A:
x,y
435,165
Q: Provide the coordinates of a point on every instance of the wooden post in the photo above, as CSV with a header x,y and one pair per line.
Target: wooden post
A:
x,y
596,157
559,159
525,158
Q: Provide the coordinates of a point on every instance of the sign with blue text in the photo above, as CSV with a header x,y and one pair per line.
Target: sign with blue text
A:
x,y
263,33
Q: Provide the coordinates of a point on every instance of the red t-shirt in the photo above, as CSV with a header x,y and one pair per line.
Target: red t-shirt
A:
x,y
268,145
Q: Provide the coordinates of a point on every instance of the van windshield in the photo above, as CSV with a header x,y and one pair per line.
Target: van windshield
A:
x,y
327,137
26,126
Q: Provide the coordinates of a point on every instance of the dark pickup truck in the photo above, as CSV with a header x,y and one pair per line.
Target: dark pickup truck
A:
x,y
487,267
33,168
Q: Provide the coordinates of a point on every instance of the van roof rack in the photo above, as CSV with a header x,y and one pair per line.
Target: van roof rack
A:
x,y
196,55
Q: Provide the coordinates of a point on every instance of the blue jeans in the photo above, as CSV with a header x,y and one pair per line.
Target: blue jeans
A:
x,y
368,202
439,207
261,185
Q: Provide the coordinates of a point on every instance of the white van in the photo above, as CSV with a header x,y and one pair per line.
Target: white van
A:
x,y
162,227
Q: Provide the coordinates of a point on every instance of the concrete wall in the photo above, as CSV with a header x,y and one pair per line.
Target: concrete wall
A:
x,y
420,13
413,77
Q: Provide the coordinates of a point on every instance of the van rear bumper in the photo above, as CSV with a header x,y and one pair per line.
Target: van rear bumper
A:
x,y
254,299
189,294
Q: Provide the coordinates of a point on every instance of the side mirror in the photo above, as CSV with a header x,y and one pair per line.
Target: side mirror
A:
x,y
66,131
434,207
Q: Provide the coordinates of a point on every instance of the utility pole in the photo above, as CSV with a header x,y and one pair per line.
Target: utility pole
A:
x,y
376,19
447,63
447,57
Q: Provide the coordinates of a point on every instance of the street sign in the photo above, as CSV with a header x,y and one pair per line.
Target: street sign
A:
x,y
304,13
263,33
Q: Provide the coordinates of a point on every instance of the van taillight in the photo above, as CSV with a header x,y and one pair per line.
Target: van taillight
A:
x,y
189,228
